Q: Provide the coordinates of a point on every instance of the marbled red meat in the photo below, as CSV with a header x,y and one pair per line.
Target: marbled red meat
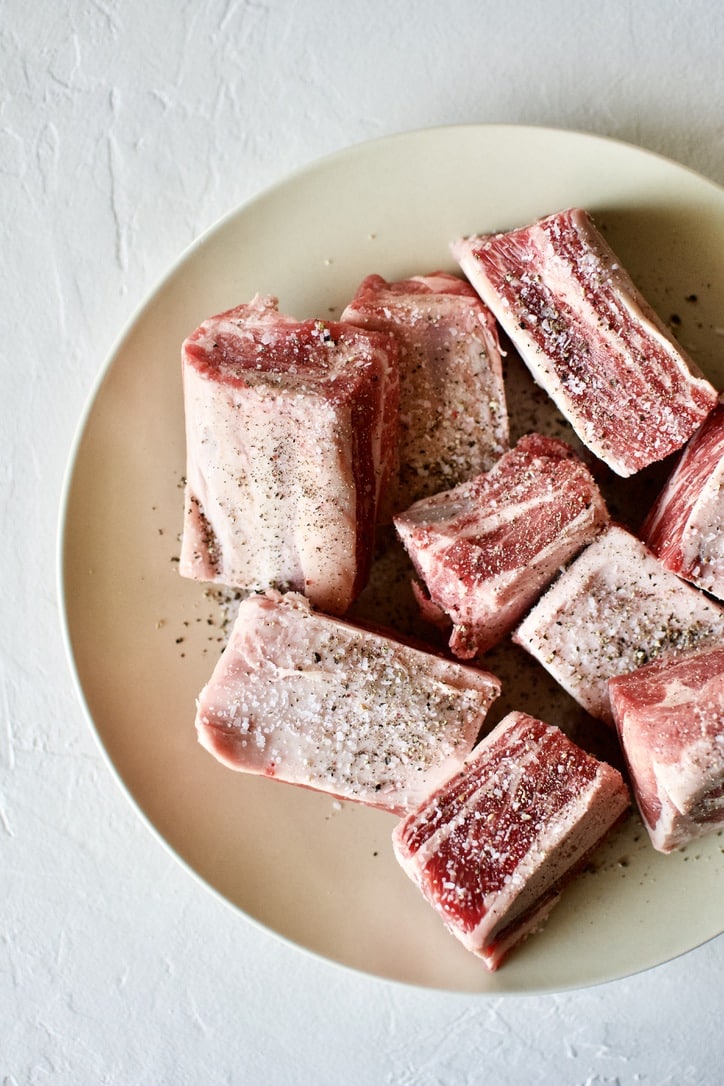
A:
x,y
291,432
614,608
453,414
589,338
316,701
685,528
670,719
486,549
493,847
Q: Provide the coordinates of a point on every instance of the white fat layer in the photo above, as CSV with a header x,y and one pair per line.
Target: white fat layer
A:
x,y
314,701
453,412
683,798
699,770
702,543
271,472
612,610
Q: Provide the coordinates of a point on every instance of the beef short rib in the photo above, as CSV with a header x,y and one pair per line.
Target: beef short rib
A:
x,y
589,338
315,701
670,719
291,434
614,608
453,415
685,527
486,549
492,849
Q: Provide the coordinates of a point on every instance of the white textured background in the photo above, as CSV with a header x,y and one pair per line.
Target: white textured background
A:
x,y
126,128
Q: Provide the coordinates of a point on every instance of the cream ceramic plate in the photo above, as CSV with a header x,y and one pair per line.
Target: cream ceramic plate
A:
x,y
143,641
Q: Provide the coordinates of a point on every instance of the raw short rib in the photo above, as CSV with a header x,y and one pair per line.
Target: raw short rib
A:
x,y
486,549
315,701
670,719
685,528
492,849
589,338
453,414
613,609
291,432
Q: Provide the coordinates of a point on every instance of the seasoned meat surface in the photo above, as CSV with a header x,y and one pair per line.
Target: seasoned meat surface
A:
x,y
685,527
291,433
589,338
670,719
486,549
493,847
316,701
613,609
453,414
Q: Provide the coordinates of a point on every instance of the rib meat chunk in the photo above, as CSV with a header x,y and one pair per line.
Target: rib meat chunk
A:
x,y
670,719
685,528
486,549
291,431
315,701
453,414
613,609
589,338
492,849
